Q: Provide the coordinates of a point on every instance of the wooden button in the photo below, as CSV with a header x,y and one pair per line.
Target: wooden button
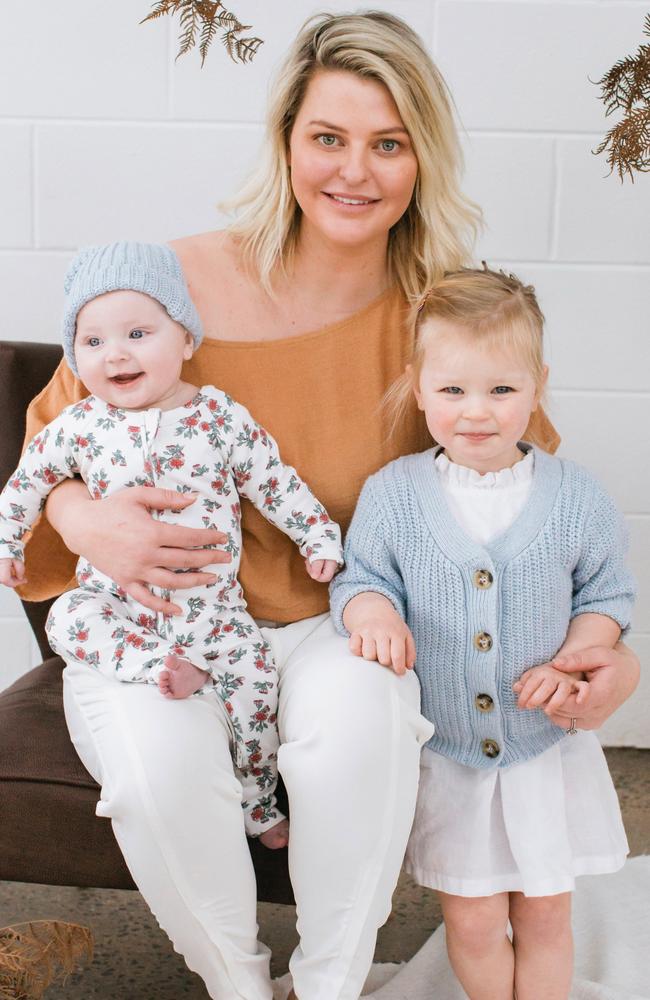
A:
x,y
483,579
483,642
484,702
491,748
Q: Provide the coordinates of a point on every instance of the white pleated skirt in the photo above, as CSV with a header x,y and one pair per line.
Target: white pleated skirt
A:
x,y
529,828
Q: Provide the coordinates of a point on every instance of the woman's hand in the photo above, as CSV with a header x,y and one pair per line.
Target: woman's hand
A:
x,y
613,674
119,536
378,633
547,687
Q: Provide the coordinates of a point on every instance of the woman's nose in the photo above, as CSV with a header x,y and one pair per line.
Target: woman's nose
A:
x,y
354,168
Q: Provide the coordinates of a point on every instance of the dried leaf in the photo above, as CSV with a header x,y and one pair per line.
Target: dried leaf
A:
x,y
35,955
203,18
626,87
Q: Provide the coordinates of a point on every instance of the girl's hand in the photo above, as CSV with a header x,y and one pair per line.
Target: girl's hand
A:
x,y
378,633
12,572
548,688
119,536
612,676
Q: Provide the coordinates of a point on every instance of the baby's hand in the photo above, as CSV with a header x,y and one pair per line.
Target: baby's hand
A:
x,y
12,572
388,641
548,688
321,570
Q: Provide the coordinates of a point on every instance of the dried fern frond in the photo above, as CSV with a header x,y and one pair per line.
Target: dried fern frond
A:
x,y
35,955
626,87
628,144
203,18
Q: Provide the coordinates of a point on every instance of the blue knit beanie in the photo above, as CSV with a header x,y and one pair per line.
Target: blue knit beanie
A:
x,y
139,267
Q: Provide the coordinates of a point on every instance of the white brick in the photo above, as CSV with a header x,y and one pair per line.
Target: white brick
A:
x,y
103,182
16,638
15,186
597,325
629,727
31,287
600,219
609,435
511,179
226,91
639,560
83,60
529,65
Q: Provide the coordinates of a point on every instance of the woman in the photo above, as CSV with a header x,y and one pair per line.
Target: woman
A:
x,y
354,211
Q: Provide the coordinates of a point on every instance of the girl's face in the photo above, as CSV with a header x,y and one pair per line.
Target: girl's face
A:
x,y
477,400
129,351
353,168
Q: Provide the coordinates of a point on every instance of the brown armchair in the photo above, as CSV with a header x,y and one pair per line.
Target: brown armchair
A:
x,y
48,829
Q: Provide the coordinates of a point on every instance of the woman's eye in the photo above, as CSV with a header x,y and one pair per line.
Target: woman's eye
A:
x,y
327,140
136,334
453,390
501,390
388,145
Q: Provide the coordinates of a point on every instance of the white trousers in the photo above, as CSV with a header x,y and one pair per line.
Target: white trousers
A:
x,y
351,733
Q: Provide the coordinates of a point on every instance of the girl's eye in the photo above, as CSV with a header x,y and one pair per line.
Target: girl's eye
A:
x,y
453,390
136,334
502,390
327,140
388,145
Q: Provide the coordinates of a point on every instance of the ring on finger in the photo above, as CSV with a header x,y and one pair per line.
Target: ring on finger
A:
x,y
572,730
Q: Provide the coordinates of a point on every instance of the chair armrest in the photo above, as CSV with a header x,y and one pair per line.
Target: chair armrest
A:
x,y
25,369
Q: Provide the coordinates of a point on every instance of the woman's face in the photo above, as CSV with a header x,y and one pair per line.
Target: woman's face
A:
x,y
353,168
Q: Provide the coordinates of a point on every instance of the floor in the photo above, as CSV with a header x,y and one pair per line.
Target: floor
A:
x,y
135,961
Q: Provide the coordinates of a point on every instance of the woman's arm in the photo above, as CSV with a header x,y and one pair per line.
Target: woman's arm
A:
x,y
119,536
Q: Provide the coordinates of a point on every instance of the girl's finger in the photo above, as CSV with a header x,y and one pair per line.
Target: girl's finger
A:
x,y
355,644
543,692
369,648
383,650
410,650
398,654
559,698
582,692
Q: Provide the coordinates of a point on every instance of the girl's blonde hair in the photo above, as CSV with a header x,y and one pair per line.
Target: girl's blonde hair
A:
x,y
490,308
437,231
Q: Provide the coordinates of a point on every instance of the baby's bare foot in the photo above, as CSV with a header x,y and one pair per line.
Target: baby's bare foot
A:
x,y
181,678
277,836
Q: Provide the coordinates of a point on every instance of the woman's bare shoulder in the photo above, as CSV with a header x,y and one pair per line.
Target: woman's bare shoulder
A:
x,y
213,249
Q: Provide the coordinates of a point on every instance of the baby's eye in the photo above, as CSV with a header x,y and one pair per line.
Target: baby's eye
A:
x,y
327,140
453,390
136,334
501,390
93,342
389,145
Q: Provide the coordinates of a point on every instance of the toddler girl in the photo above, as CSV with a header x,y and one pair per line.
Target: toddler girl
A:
x,y
472,562
129,324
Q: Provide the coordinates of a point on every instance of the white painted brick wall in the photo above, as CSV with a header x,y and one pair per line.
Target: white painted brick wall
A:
x,y
103,135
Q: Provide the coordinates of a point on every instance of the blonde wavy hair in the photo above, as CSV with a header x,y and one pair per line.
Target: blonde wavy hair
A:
x,y
490,308
437,231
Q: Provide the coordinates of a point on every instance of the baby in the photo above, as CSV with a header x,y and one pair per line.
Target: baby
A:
x,y
128,325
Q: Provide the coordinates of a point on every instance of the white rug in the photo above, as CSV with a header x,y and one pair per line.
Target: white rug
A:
x,y
611,920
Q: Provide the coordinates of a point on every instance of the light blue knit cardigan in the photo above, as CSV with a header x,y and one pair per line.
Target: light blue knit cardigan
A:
x,y
562,557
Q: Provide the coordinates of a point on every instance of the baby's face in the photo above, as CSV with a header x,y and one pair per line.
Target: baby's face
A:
x,y
129,351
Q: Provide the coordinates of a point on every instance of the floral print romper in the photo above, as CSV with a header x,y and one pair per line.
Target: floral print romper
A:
x,y
211,446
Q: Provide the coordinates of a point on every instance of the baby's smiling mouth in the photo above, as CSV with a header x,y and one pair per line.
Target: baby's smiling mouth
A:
x,y
126,378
